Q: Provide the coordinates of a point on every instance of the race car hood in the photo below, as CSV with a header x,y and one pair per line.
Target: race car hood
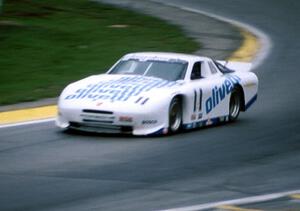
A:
x,y
116,90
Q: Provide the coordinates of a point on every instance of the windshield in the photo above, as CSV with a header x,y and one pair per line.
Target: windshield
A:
x,y
167,70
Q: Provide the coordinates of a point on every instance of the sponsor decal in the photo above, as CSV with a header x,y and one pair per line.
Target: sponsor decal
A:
x,y
149,122
209,122
193,117
206,122
125,119
219,93
200,115
119,90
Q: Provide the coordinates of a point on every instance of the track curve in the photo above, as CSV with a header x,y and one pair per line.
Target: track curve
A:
x,y
43,169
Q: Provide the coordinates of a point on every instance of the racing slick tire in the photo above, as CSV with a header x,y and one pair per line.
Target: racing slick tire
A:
x,y
175,115
235,104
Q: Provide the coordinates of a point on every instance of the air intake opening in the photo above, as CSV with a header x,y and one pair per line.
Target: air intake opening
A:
x,y
96,111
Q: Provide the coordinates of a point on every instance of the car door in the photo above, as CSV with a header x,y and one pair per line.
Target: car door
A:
x,y
208,94
215,100
198,91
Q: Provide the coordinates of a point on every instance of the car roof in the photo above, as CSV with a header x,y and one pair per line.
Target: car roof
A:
x,y
167,55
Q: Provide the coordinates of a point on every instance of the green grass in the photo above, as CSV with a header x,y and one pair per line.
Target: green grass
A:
x,y
44,45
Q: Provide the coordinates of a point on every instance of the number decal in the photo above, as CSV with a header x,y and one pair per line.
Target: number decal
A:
x,y
195,100
200,100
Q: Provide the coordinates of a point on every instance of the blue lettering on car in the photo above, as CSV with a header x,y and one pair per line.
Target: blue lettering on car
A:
x,y
219,93
119,90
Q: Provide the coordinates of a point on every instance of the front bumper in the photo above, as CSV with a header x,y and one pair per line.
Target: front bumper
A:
x,y
111,122
101,128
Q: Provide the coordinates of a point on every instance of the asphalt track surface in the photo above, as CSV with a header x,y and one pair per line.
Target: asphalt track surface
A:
x,y
44,169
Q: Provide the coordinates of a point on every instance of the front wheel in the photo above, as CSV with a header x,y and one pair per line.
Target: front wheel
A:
x,y
234,105
175,115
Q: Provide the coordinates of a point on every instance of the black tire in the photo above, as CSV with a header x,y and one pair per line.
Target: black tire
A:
x,y
175,115
235,104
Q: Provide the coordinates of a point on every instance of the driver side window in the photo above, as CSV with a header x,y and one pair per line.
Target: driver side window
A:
x,y
196,72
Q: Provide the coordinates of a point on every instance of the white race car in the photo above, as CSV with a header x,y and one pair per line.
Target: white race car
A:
x,y
158,93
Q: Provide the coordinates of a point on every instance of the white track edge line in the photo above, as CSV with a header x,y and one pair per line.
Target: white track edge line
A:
x,y
265,41
241,201
27,123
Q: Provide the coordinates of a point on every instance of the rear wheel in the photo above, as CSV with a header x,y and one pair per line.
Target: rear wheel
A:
x,y
175,115
234,104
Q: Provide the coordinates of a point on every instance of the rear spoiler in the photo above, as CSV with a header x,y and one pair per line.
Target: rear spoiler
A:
x,y
237,66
